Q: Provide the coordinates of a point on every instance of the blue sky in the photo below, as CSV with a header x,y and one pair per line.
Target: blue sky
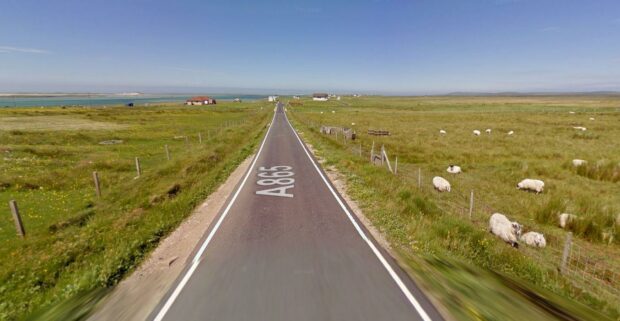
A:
x,y
385,46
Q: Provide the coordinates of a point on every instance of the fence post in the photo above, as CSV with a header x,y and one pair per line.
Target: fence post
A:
x,y
360,149
372,152
19,226
138,169
382,154
565,255
200,138
96,180
419,177
167,152
395,165
471,203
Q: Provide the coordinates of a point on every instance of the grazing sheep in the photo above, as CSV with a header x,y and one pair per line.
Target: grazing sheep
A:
x,y
454,169
534,239
476,132
565,219
579,162
333,111
591,118
511,132
583,129
571,112
535,185
488,131
441,131
441,184
505,229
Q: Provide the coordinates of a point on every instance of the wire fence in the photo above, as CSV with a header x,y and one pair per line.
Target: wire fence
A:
x,y
584,268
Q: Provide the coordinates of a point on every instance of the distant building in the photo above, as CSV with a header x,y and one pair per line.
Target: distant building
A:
x,y
272,98
237,100
296,97
320,97
200,100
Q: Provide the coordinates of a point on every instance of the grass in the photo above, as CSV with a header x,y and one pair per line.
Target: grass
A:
x,y
77,243
426,224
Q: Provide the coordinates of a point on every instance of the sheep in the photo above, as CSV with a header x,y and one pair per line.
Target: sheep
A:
x,y
534,239
580,128
454,169
565,219
511,132
591,118
441,184
571,112
476,132
579,162
442,132
506,230
488,131
535,185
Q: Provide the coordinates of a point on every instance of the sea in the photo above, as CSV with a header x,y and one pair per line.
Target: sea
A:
x,y
111,100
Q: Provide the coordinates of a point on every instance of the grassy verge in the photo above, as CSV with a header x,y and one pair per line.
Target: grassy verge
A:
x,y
451,254
77,242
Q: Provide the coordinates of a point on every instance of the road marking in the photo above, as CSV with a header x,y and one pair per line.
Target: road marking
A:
x,y
197,258
372,246
271,176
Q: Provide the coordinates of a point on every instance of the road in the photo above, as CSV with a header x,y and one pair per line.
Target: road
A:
x,y
287,247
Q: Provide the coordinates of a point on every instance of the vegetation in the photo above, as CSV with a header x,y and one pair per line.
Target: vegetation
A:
x,y
76,242
430,227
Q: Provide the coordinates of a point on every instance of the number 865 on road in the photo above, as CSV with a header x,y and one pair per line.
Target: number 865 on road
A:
x,y
276,181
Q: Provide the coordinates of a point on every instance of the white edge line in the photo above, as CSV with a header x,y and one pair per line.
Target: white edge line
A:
x,y
203,247
372,246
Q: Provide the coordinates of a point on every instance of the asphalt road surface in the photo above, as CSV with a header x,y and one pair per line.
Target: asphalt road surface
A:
x,y
287,247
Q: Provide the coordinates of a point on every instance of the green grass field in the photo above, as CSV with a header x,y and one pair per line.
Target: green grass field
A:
x,y
76,242
427,225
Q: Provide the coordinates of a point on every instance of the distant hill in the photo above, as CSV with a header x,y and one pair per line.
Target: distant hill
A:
x,y
512,94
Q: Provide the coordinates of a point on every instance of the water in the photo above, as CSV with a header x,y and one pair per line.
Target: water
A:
x,y
109,100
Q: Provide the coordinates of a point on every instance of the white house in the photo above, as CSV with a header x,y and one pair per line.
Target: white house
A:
x,y
201,100
272,98
320,97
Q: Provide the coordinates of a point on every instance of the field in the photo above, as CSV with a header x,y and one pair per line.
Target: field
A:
x,y
433,230
76,242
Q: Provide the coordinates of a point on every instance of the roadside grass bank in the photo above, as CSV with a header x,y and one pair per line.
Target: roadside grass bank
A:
x,y
431,233
76,242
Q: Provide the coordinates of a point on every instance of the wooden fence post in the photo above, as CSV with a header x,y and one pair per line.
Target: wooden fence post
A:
x,y
471,203
387,159
200,138
97,186
167,152
565,255
372,152
395,165
419,177
138,169
19,225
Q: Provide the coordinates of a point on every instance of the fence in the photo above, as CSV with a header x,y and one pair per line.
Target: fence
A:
x,y
581,266
165,153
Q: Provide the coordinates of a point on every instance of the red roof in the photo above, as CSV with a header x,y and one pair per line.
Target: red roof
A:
x,y
200,98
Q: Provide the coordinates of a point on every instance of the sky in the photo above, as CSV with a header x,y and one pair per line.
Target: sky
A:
x,y
381,46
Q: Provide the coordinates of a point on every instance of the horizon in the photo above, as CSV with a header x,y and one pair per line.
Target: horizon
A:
x,y
380,46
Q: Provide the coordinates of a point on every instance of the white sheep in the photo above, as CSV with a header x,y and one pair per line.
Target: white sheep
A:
x,y
579,162
476,132
571,112
442,132
534,239
511,132
454,169
441,184
505,229
535,185
591,118
488,131
583,129
565,219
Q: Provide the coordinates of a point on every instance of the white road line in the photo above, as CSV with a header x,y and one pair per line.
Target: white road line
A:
x,y
198,256
372,246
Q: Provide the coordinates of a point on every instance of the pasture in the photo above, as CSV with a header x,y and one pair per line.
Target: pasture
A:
x,y
426,222
77,242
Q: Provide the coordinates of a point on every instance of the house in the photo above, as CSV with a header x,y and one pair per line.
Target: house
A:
x,y
272,98
237,100
201,100
296,97
320,97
